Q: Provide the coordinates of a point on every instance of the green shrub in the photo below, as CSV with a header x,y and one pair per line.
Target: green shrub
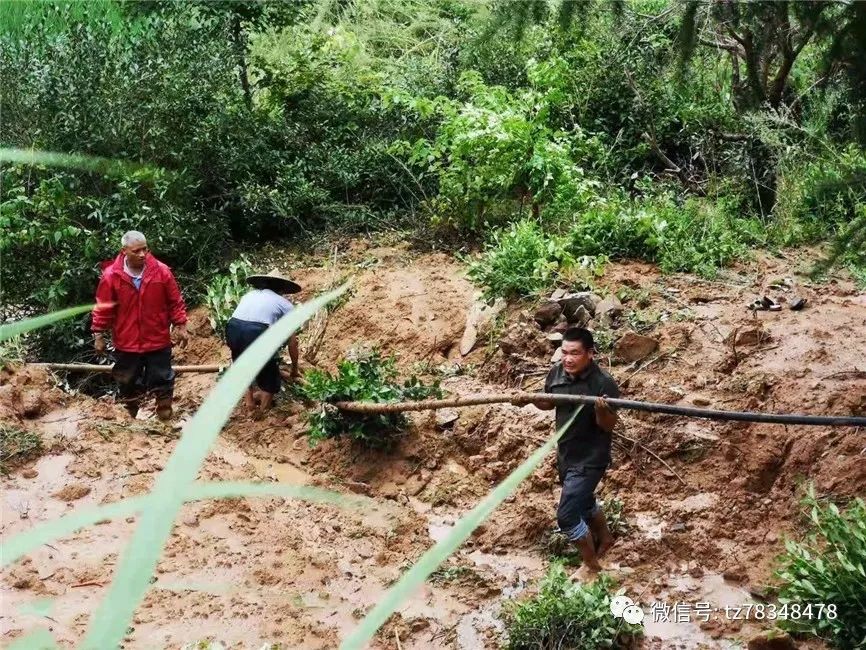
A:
x,y
700,237
225,291
616,230
17,445
828,568
520,261
367,378
568,615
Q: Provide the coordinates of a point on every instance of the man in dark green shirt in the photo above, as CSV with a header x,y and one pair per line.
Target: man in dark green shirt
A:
x,y
583,454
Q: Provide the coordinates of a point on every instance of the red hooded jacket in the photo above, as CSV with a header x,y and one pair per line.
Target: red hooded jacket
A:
x,y
138,318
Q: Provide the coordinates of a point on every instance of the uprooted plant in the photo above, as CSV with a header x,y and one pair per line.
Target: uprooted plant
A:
x,y
824,576
568,615
17,445
368,377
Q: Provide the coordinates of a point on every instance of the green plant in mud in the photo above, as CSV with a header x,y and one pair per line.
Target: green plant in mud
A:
x,y
225,291
827,570
614,512
368,377
17,445
567,615
520,261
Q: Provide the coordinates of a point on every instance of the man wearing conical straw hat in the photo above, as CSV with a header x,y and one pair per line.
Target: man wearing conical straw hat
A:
x,y
261,307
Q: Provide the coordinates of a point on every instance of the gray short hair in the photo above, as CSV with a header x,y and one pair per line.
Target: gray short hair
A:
x,y
132,237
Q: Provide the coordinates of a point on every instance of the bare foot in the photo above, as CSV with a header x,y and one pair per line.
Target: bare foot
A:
x,y
603,546
585,573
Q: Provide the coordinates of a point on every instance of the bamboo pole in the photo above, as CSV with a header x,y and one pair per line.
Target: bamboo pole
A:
x,y
93,367
652,407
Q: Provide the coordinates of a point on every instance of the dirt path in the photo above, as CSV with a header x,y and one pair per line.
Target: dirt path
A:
x,y
251,571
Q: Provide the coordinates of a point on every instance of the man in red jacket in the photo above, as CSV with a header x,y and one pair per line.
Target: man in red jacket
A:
x,y
138,300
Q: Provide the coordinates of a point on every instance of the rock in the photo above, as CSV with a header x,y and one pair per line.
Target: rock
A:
x,y
357,487
699,400
478,322
580,317
586,299
190,520
29,473
31,405
610,305
445,418
734,574
557,355
561,325
772,640
634,347
555,339
556,295
751,336
547,313
523,339
678,527
72,492
797,303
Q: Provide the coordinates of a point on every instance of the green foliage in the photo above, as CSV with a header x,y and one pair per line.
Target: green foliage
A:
x,y
568,615
225,291
828,568
520,261
366,378
17,445
499,145
697,237
615,515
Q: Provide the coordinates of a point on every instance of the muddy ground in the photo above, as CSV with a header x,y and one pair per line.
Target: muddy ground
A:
x,y
704,526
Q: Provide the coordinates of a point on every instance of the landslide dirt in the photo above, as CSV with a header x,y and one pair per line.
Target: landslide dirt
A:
x,y
705,526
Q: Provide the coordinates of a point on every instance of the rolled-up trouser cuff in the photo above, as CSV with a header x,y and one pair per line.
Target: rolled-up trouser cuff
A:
x,y
581,529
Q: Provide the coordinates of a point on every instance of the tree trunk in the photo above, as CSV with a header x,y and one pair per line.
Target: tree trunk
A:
x,y
240,45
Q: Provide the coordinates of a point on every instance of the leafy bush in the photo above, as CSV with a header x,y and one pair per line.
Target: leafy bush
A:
x,y
697,237
17,445
828,568
616,230
225,291
568,615
520,261
366,378
701,237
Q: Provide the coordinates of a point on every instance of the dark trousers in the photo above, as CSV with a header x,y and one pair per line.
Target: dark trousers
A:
x,y
145,372
240,334
577,504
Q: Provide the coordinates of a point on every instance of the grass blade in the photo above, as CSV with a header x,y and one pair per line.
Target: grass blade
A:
x,y
48,531
431,560
9,330
38,639
109,624
80,162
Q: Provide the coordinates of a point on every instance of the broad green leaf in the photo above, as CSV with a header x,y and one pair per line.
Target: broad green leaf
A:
x,y
16,328
139,560
430,561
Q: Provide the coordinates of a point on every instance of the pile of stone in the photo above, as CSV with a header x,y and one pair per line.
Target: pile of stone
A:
x,y
586,309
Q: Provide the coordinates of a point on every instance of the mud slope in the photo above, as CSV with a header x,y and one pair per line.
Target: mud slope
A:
x,y
249,571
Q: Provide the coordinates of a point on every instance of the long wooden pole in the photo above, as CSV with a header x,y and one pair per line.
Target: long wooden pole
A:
x,y
93,367
653,407
528,398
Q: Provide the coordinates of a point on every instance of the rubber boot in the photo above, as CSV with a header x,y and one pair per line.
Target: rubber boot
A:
x,y
163,408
